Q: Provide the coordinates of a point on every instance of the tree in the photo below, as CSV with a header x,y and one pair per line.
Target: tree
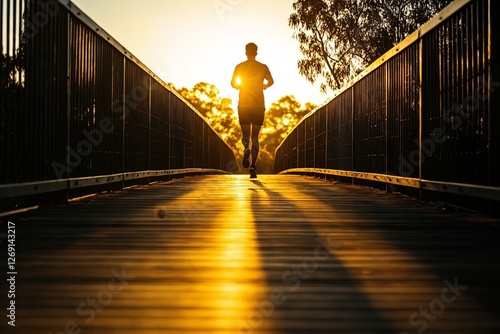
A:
x,y
218,112
280,120
339,38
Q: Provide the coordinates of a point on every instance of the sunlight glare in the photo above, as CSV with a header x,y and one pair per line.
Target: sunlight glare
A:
x,y
204,97
230,261
238,262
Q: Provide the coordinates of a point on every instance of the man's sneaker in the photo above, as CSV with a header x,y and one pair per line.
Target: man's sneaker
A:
x,y
253,172
246,158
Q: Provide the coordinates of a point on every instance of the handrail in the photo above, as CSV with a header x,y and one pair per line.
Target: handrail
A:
x,y
83,113
421,116
84,18
43,187
434,22
471,190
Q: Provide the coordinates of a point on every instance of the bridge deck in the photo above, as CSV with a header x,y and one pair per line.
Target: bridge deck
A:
x,y
284,254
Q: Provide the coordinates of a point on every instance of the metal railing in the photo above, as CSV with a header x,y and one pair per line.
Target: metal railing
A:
x,y
425,115
79,110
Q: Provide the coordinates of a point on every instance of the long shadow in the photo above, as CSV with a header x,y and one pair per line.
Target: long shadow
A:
x,y
317,294
68,244
57,227
451,245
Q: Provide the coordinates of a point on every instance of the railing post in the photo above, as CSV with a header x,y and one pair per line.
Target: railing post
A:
x,y
305,143
420,108
1,28
184,138
68,101
124,116
494,94
8,28
315,134
297,148
327,111
386,125
203,146
149,125
170,99
353,128
209,151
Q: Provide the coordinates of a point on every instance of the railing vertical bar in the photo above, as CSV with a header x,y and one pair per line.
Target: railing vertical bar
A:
x,y
314,133
2,21
493,101
203,144
456,81
464,138
468,78
21,21
42,113
184,140
420,109
170,102
124,115
353,129
304,142
8,21
69,92
386,122
88,101
149,123
296,148
327,117
14,27
492,48
90,95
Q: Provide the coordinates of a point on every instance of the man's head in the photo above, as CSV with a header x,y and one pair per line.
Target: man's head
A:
x,y
251,50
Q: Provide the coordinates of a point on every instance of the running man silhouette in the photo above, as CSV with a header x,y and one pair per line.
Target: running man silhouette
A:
x,y
251,78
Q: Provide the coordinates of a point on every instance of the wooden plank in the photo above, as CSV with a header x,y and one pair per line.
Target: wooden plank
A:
x,y
391,179
284,254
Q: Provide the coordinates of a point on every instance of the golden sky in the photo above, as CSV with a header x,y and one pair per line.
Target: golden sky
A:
x,y
188,41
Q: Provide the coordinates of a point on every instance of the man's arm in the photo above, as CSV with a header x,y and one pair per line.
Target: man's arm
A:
x,y
269,80
234,83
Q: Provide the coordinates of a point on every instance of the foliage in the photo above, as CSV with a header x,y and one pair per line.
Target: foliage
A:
x,y
12,100
280,119
339,38
217,111
11,76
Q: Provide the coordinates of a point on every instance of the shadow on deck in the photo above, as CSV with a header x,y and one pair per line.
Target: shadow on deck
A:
x,y
283,254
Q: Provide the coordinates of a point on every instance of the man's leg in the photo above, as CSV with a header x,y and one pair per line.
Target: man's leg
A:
x,y
255,143
245,132
245,140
